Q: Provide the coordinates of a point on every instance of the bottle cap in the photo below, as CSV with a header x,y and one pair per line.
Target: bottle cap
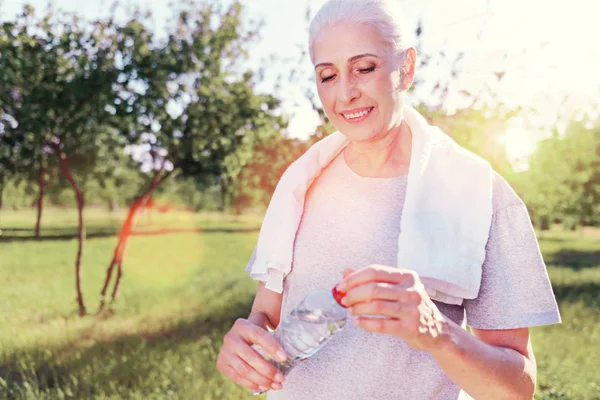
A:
x,y
338,296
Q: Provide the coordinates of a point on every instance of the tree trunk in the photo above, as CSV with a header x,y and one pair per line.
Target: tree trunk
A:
x,y
223,190
81,238
117,259
115,291
1,190
79,196
126,229
40,202
544,223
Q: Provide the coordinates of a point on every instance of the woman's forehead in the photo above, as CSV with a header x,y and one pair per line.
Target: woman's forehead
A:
x,y
340,43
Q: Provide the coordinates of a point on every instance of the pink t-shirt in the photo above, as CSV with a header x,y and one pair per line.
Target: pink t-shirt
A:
x,y
350,221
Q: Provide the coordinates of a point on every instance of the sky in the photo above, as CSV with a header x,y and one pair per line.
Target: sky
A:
x,y
552,62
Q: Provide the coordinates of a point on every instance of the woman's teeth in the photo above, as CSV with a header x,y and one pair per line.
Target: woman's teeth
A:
x,y
358,114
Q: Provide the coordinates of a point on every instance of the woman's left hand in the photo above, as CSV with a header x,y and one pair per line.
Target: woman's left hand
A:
x,y
398,301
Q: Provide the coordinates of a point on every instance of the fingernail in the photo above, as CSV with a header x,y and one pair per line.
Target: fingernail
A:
x,y
263,389
279,377
341,286
281,356
277,386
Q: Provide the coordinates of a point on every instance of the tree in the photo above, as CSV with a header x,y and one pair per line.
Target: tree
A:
x,y
26,160
56,78
7,161
196,115
563,180
257,181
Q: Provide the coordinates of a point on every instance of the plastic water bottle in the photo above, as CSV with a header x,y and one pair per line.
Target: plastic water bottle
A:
x,y
307,328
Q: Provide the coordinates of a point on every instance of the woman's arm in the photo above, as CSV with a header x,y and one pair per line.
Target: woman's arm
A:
x,y
266,308
490,364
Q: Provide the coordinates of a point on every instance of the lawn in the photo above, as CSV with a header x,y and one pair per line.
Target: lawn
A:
x,y
183,286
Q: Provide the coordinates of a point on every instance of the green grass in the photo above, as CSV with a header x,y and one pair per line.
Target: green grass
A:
x,y
181,291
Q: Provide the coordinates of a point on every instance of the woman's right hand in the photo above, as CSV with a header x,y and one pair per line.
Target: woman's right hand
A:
x,y
240,362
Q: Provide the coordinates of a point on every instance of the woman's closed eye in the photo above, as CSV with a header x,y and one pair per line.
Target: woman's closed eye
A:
x,y
366,70
360,70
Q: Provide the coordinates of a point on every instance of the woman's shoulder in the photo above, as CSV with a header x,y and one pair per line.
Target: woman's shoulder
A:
x,y
503,194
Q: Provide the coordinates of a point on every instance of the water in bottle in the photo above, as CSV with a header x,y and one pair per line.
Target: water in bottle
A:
x,y
307,328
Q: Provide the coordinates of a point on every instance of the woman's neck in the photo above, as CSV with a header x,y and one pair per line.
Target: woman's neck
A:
x,y
385,157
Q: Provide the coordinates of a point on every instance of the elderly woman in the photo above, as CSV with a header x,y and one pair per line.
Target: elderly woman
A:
x,y
421,236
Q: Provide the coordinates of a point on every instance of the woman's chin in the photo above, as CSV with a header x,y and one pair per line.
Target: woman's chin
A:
x,y
357,134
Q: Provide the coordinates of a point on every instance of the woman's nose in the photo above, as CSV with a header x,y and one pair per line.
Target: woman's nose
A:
x,y
347,91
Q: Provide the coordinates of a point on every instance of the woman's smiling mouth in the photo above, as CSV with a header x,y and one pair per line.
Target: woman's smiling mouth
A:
x,y
356,115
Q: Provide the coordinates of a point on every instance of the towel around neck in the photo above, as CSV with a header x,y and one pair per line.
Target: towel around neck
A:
x,y
445,221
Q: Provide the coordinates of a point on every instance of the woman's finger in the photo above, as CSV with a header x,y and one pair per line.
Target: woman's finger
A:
x,y
246,371
380,291
240,380
388,326
253,334
370,291
257,362
390,309
378,273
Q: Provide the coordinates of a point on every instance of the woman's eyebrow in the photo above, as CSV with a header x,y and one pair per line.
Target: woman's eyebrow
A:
x,y
350,60
354,58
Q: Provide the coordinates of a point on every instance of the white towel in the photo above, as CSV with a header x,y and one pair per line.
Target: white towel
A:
x,y
445,220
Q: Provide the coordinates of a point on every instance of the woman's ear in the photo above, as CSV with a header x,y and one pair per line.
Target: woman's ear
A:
x,y
408,69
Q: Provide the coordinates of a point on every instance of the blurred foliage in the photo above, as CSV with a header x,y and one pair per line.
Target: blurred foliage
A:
x,y
563,179
55,81
478,130
257,181
186,100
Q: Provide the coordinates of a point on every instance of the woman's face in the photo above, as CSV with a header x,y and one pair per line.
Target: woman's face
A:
x,y
359,80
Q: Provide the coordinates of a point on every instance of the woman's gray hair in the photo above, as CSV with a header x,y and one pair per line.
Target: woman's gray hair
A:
x,y
383,15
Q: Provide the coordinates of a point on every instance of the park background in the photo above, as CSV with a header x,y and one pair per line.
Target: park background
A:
x,y
140,143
